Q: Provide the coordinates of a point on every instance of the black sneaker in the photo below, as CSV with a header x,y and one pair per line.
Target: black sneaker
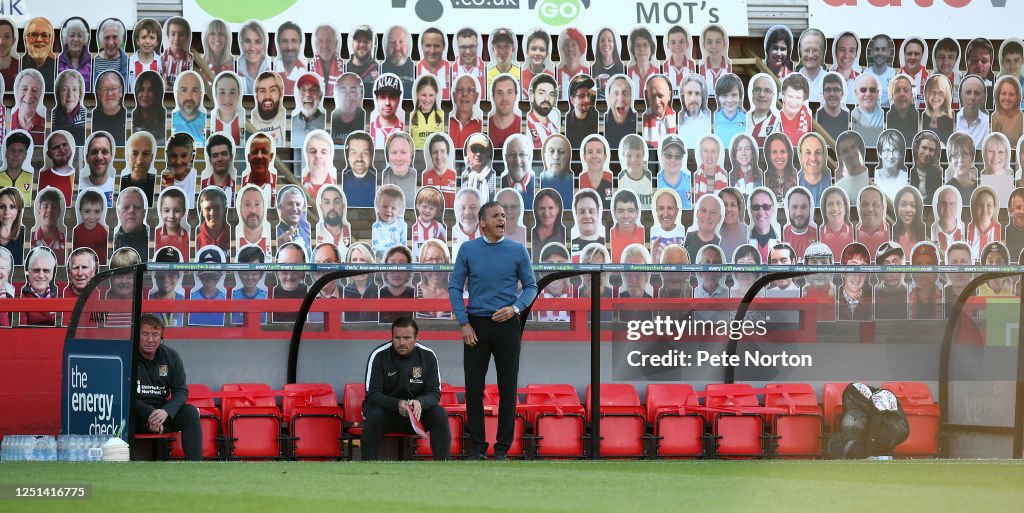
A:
x,y
500,456
476,456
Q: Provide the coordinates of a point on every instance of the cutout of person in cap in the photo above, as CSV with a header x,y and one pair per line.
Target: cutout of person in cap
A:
x,y
572,51
995,254
795,117
40,276
503,54
958,254
607,62
269,116
587,225
359,179
60,153
173,229
642,64
961,172
811,46
149,115
387,116
259,169
764,231
855,299
679,62
746,173
16,174
98,172
109,114
398,58
289,62
1007,117
627,229
167,284
39,56
390,228
177,56
210,286
909,228
479,174
763,115
538,59
91,232
332,208
710,176
881,51
438,153
49,230
819,288
555,253
926,174
946,62
82,266
544,117
672,171
400,153
348,115
253,229
397,284
318,154
29,112
707,221
695,118
220,166
891,174
660,119
309,113
362,59
290,284
581,120
69,113
873,210
596,175
972,117
800,231
714,46
505,118
252,39
140,171
217,48
74,38
433,285
938,111
291,211
903,115
778,51
519,174
467,216
814,172
147,36
668,228
620,119
111,55
852,173
250,283
926,293
846,61
433,60
428,116
213,219
180,170
327,62
730,118
780,176
429,218
984,226
997,173
948,227
362,286
635,174
548,225
467,58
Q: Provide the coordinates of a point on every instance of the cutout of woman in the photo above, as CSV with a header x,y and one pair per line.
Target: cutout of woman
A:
x,y
780,175
734,231
745,173
427,118
811,46
49,229
228,114
708,218
997,173
778,50
512,201
891,174
572,53
668,228
642,48
433,285
150,115
538,59
984,226
961,172
252,40
74,38
587,224
548,227
319,171
69,113
868,118
361,286
926,174
836,231
744,254
714,47
763,116
909,228
846,60
856,297
938,111
1007,118
91,232
217,49
607,60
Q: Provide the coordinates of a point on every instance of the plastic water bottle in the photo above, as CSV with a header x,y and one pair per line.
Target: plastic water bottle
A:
x,y
74,448
62,448
39,450
51,448
4,451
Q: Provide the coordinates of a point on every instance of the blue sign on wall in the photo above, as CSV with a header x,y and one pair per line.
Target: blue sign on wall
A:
x,y
94,386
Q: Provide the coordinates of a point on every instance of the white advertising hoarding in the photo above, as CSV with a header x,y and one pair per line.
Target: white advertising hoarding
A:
x,y
962,19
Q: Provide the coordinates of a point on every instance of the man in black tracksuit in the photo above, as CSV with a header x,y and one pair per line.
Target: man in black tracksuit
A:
x,y
161,373
402,378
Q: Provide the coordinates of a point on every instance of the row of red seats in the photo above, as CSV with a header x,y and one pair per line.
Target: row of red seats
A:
x,y
675,421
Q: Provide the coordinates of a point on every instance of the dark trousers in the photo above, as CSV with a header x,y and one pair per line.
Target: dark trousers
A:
x,y
186,421
378,421
504,341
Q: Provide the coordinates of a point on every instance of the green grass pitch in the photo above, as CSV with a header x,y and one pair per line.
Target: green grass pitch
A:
x,y
593,487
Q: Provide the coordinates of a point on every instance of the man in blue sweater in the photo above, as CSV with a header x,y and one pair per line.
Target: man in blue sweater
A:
x,y
491,266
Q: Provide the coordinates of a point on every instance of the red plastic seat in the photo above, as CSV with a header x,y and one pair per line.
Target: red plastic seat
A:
x,y
556,415
623,427
922,417
832,400
209,420
491,400
253,421
678,427
736,427
456,423
796,433
352,415
314,420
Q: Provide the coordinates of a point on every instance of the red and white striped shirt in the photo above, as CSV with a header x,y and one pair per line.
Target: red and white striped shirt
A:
x,y
703,185
477,70
441,73
541,128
